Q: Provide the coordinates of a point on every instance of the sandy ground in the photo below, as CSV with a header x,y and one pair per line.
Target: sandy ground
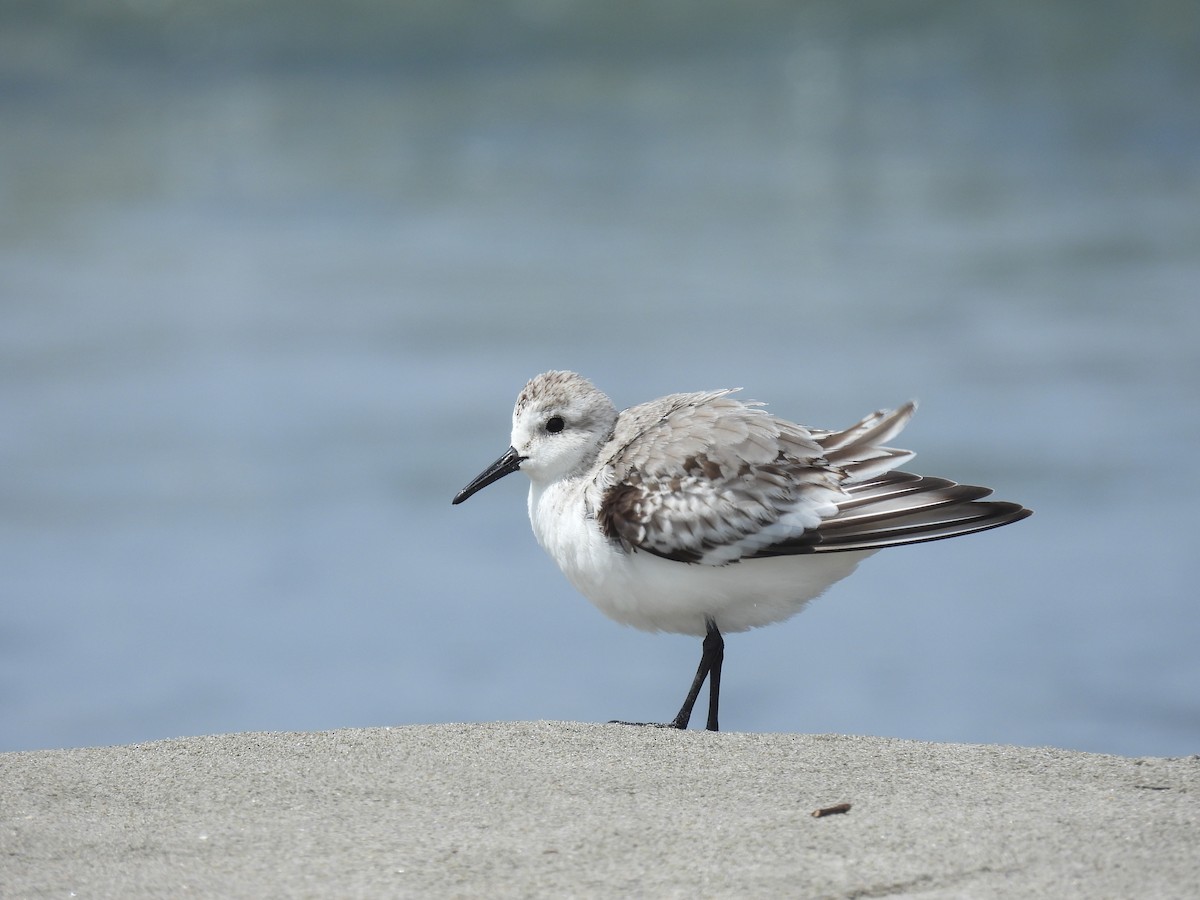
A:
x,y
561,809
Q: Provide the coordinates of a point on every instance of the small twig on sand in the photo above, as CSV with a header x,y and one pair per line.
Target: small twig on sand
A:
x,y
831,810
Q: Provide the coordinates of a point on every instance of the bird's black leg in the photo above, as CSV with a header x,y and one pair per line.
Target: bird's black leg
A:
x,y
710,667
714,648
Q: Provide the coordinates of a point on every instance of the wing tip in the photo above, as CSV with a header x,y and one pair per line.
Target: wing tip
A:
x,y
985,515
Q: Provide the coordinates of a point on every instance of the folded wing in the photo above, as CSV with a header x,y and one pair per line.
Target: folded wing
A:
x,y
703,478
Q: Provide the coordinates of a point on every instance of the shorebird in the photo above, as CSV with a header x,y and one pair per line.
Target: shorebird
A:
x,y
701,514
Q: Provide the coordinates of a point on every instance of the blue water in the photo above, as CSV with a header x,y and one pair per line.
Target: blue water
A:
x,y
271,277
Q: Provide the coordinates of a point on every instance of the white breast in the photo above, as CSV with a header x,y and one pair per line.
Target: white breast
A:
x,y
656,594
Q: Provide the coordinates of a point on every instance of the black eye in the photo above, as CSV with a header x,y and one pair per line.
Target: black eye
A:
x,y
555,424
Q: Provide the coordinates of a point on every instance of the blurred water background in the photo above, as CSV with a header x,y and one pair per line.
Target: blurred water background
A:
x,y
272,273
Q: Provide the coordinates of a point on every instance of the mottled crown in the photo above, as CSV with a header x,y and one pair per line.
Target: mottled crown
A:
x,y
555,388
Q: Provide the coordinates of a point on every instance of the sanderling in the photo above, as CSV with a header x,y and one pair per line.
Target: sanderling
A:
x,y
700,514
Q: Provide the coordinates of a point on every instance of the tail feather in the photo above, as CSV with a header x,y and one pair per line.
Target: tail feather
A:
x,y
881,507
866,436
860,450
884,510
902,508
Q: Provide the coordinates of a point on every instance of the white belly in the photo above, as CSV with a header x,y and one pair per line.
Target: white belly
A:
x,y
656,594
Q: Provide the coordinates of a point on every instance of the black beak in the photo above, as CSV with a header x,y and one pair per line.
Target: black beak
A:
x,y
505,465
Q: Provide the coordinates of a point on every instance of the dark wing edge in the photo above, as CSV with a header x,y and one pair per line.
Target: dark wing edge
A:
x,y
619,519
902,508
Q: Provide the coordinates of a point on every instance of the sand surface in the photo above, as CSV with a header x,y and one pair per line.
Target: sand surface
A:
x,y
562,809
